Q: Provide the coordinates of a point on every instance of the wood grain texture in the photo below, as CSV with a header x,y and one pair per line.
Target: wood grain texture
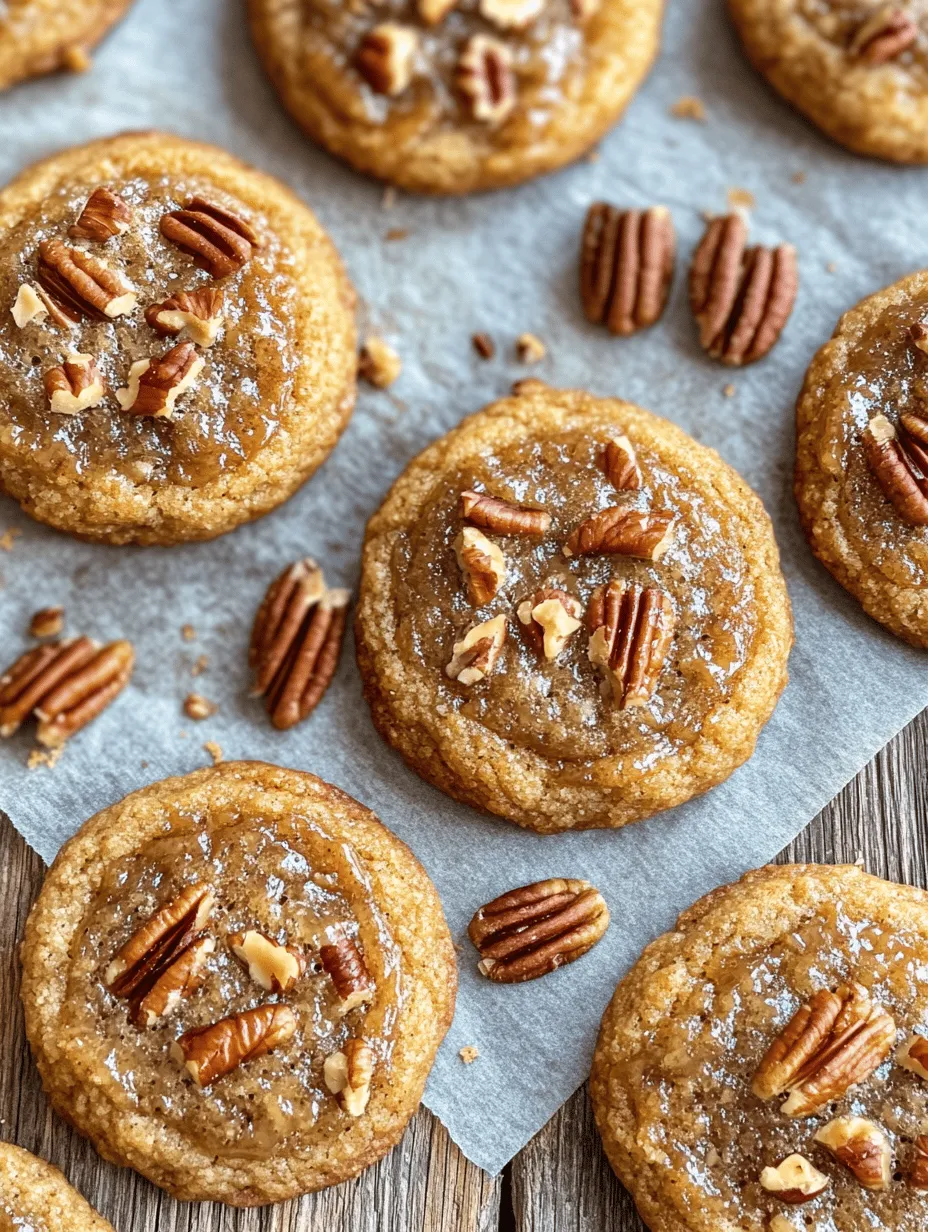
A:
x,y
561,1182
424,1184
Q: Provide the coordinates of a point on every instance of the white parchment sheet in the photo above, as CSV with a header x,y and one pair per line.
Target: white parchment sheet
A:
x,y
503,263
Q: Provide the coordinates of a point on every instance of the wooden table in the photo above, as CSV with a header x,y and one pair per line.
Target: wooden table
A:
x,y
559,1183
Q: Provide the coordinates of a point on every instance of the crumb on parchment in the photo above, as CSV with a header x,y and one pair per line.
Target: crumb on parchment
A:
x,y
469,1053
689,108
214,750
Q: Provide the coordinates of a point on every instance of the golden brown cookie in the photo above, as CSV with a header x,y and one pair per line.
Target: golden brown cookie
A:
x,y
862,456
571,614
439,96
235,982
35,1197
42,36
859,69
177,343
704,1082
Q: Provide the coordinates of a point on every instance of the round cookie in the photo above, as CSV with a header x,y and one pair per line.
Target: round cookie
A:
x,y
568,692
446,97
270,1031
35,1197
863,498
147,249
42,36
692,1106
857,70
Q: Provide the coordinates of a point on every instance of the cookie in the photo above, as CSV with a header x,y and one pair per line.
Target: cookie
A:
x,y
862,456
235,982
709,1081
42,36
857,70
571,614
446,97
35,1197
177,341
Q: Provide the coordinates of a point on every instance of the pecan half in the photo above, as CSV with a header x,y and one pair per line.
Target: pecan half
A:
x,y
913,1056
177,981
74,385
81,284
913,437
862,1147
161,939
156,384
624,532
884,35
209,1053
485,78
917,1175
296,642
620,464
35,304
344,963
626,266
275,967
195,315
103,216
741,297
550,619
387,56
219,241
834,1041
511,14
502,516
434,11
794,1181
348,1075
482,563
893,470
537,928
631,631
475,656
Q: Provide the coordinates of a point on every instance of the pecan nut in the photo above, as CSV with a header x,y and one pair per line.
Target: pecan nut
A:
x,y
892,467
485,79
511,14
741,297
620,464
536,929
47,622
193,315
913,1056
862,1147
386,58
794,1181
155,385
348,1075
161,939
482,563
103,216
296,642
344,963
624,532
177,981
917,1175
275,967
476,654
627,261
884,35
550,619
82,285
209,1053
503,517
378,363
76,385
631,631
220,241
834,1041
913,436
35,304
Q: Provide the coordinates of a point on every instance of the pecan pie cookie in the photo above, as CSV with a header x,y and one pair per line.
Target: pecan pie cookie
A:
x,y
42,36
235,982
571,614
764,1066
857,68
177,344
457,95
862,456
35,1197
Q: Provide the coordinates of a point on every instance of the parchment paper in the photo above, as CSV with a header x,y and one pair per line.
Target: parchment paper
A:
x,y
502,263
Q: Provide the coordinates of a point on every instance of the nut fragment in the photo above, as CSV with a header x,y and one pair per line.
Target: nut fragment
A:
x,y
620,464
275,967
103,216
194,315
28,306
913,436
485,78
81,284
209,1053
626,266
549,619
530,349
434,11
884,35
484,345
631,631
862,1147
482,563
795,1180
741,297
511,14
475,656
913,1056
220,241
176,981
537,928
624,532
155,385
892,467
502,516
387,56
343,961
917,1175
198,707
378,363
296,642
47,622
348,1075
76,385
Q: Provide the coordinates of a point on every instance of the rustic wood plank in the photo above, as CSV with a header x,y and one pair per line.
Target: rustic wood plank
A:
x,y
561,1182
424,1184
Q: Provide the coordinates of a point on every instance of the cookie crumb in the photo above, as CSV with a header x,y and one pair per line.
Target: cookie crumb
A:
x,y
9,537
396,233
729,391
144,765
198,707
214,750
44,757
798,177
689,108
469,1054
200,665
484,345
831,267
740,199
388,200
859,859
47,622
378,363
188,633
77,60
530,349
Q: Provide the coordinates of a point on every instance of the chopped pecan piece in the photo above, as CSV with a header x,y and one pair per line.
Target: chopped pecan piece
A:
x,y
913,1056
884,35
35,304
83,285
103,216
155,385
378,363
917,1175
482,563
919,336
485,78
160,941
502,517
47,622
197,707
475,656
834,1041
348,1075
176,981
74,385
550,619
193,315
511,14
626,266
484,345
631,631
537,928
275,967
741,297
893,470
530,349
794,1181
219,241
434,11
623,532
862,1147
387,56
620,464
296,642
343,961
209,1053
